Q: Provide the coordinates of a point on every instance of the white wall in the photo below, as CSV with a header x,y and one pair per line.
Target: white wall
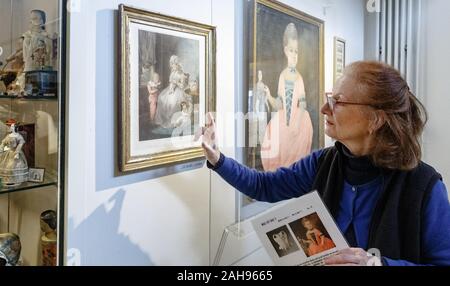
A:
x,y
148,218
436,58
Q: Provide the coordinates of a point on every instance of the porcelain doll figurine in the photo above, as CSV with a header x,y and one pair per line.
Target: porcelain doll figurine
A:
x,y
49,237
10,248
13,164
34,40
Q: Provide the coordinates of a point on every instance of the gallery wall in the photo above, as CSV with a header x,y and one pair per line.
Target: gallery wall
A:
x,y
434,77
159,217
170,216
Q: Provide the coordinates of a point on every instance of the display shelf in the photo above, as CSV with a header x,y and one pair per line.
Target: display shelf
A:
x,y
29,97
51,181
32,125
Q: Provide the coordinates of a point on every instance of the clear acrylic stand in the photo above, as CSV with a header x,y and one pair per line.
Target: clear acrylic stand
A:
x,y
240,246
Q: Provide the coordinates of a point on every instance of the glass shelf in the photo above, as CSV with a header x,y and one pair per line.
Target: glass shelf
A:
x,y
30,97
50,181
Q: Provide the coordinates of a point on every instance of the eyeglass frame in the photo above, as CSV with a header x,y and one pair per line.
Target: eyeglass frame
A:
x,y
332,102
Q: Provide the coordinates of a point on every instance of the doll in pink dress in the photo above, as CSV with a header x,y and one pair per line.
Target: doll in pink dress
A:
x,y
288,136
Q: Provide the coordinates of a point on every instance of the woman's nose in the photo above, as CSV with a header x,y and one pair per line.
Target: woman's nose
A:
x,y
325,110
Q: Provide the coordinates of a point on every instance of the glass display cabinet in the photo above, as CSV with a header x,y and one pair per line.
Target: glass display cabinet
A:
x,y
31,131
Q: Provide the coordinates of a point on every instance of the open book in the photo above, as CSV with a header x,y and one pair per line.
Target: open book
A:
x,y
299,232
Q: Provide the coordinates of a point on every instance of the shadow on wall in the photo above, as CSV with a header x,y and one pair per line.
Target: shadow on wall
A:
x,y
99,234
106,93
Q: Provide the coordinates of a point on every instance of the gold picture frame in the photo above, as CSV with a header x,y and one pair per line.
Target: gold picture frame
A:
x,y
269,21
339,58
167,84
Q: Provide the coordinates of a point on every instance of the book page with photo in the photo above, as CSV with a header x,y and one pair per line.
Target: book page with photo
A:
x,y
299,232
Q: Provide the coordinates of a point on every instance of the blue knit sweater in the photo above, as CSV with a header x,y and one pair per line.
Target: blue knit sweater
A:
x,y
356,206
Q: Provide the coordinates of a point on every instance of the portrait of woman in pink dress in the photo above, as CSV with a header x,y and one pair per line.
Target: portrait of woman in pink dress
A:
x,y
289,134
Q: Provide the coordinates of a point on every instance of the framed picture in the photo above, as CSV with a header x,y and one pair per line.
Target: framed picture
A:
x,y
339,58
167,85
36,175
285,87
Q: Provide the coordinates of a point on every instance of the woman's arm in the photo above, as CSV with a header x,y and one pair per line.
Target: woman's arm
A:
x,y
284,183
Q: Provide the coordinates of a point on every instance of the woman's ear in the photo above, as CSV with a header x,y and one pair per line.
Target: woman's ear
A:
x,y
378,120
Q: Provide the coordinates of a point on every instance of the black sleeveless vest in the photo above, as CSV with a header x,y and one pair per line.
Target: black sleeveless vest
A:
x,y
397,222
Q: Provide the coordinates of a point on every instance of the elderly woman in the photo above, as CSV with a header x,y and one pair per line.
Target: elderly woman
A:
x,y
380,193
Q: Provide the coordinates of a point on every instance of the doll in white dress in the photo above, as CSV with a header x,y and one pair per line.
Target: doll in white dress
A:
x,y
13,164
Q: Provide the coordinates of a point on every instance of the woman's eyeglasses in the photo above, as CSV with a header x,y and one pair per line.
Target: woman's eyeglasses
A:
x,y
332,102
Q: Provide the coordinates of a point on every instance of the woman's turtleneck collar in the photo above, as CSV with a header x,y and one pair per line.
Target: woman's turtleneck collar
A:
x,y
357,170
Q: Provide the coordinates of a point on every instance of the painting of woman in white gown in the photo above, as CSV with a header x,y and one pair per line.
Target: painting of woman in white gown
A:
x,y
167,86
169,67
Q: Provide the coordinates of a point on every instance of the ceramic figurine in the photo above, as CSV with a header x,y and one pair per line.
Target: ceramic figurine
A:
x,y
37,44
13,164
49,238
10,248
